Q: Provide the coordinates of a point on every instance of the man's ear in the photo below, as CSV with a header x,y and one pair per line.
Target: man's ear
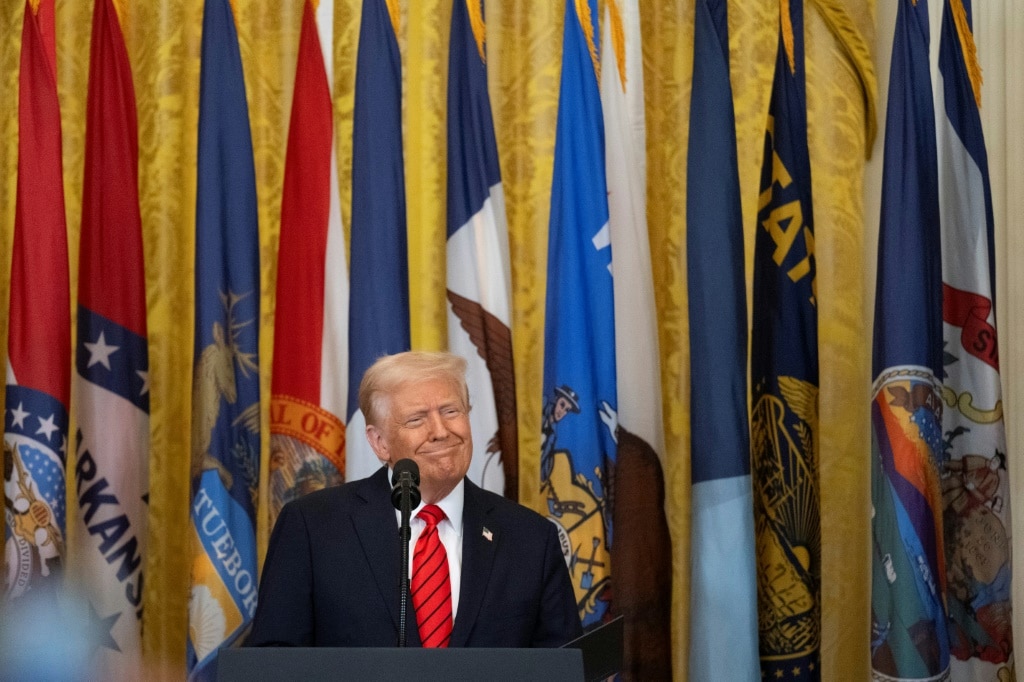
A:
x,y
378,443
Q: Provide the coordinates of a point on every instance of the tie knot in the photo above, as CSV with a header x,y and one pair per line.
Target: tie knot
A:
x,y
432,514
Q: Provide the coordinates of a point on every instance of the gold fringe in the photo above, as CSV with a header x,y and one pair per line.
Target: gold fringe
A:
x,y
787,34
618,39
34,4
858,52
234,12
587,24
121,8
396,14
967,46
315,4
476,22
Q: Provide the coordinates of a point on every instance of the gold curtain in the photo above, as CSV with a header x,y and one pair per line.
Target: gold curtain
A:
x,y
524,55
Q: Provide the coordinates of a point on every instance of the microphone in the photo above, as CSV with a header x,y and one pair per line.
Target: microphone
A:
x,y
406,484
405,495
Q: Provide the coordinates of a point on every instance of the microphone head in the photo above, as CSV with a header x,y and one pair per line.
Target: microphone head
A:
x,y
406,466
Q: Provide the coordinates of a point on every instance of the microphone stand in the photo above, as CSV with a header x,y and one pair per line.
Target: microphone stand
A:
x,y
405,496
404,533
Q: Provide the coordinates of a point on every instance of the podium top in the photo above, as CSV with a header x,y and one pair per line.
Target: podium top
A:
x,y
272,664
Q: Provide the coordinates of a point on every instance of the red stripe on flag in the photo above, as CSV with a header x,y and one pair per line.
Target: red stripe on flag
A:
x,y
40,312
305,207
111,279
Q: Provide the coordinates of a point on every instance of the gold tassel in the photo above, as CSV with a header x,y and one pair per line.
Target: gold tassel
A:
x,y
121,8
618,39
858,53
787,34
967,46
587,24
476,22
395,14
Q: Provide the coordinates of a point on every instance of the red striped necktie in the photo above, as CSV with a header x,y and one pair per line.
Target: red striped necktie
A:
x,y
430,586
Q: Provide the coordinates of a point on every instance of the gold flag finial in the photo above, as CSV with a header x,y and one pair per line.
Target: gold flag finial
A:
x,y
967,46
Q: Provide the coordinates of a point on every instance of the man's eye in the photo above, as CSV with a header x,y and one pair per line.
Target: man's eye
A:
x,y
414,422
452,412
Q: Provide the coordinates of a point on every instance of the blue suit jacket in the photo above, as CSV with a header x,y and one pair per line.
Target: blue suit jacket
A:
x,y
332,573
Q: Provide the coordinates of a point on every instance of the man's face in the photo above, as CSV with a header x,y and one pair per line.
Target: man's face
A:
x,y
427,422
561,408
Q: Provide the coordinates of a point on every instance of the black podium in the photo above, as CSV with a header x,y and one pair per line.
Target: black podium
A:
x,y
371,664
594,656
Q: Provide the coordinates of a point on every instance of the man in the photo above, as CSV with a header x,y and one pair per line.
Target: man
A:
x,y
332,572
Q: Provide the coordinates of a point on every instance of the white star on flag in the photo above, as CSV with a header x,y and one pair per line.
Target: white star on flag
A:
x,y
145,381
19,415
100,352
46,427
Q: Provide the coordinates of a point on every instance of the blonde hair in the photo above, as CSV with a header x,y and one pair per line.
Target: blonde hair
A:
x,y
390,372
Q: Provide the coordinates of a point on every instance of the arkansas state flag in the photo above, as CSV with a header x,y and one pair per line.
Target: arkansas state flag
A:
x,y
975,481
39,331
309,385
379,304
225,460
479,274
579,422
112,360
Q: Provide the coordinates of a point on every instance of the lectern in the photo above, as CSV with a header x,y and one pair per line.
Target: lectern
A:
x,y
595,656
383,664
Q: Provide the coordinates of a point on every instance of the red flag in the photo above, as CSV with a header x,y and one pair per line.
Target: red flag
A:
x,y
39,341
309,387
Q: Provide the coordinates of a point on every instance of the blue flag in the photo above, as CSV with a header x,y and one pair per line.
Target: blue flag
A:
x,y
379,304
479,277
579,417
975,480
784,374
225,390
723,591
908,619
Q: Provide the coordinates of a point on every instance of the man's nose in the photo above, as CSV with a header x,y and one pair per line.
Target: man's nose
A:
x,y
436,425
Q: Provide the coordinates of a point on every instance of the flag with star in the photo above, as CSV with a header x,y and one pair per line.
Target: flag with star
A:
x,y
642,553
579,422
723,588
379,303
111,390
479,275
38,383
975,480
309,385
909,632
784,377
225,461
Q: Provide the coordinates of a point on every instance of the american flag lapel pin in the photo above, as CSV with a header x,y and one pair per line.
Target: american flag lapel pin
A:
x,y
488,535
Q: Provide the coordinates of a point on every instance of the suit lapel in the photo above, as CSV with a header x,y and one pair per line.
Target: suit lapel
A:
x,y
378,536
478,549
